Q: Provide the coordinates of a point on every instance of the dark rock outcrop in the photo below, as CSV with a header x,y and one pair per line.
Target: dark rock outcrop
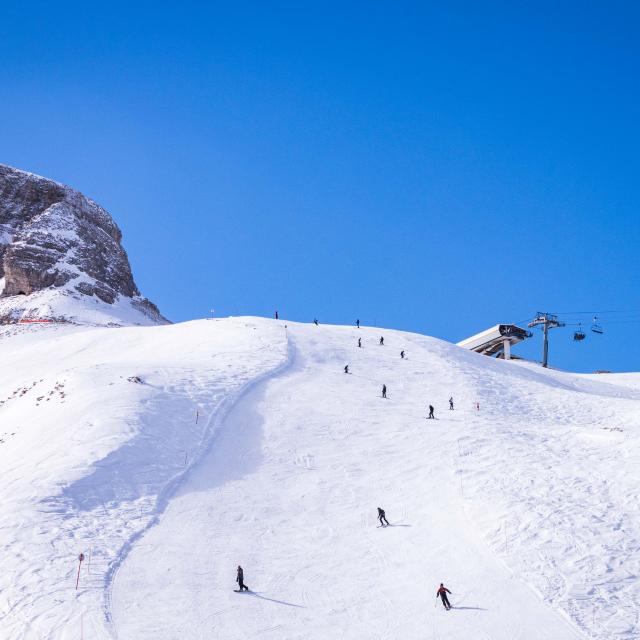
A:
x,y
52,236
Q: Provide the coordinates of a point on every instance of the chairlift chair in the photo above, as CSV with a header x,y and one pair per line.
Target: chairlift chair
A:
x,y
595,327
579,335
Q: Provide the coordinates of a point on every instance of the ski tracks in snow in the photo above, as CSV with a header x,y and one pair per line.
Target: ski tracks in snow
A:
x,y
216,413
290,489
559,519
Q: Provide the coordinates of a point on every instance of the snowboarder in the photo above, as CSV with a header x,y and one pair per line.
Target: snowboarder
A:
x,y
402,354
451,403
346,368
381,517
360,342
381,340
384,390
358,323
442,592
315,321
431,416
276,314
240,580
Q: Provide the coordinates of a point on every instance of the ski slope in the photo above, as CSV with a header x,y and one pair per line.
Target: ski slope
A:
x,y
525,508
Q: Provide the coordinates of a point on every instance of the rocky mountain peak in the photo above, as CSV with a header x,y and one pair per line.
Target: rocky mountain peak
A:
x,y
61,257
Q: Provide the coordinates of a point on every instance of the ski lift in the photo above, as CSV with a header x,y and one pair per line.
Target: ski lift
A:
x,y
579,335
595,327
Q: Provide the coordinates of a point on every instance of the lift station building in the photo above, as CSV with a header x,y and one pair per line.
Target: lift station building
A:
x,y
496,341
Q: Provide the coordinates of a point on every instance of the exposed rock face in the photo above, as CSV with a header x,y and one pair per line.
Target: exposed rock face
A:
x,y
53,237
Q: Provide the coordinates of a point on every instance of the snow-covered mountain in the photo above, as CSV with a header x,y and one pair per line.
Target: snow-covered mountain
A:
x,y
168,455
61,257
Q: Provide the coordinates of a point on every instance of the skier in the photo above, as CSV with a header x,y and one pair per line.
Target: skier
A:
x,y
384,390
346,368
381,340
358,323
381,517
315,321
276,314
451,403
240,580
442,592
360,342
402,354
431,416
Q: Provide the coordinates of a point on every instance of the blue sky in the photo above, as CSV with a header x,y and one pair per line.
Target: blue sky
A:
x,y
437,167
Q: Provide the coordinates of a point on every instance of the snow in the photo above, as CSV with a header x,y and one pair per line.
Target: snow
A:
x,y
71,306
525,508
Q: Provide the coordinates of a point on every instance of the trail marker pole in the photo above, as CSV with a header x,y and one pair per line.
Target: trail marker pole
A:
x,y
80,559
197,416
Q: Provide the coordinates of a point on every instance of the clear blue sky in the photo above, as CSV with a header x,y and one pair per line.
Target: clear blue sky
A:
x,y
437,167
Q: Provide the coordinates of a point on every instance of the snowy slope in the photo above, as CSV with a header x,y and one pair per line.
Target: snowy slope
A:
x,y
65,305
88,457
525,508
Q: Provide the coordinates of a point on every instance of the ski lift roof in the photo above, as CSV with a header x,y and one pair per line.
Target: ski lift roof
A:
x,y
493,339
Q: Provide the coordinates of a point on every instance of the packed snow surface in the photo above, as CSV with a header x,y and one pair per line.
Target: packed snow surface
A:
x,y
169,455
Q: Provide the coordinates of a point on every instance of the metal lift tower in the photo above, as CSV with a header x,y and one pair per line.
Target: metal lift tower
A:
x,y
548,321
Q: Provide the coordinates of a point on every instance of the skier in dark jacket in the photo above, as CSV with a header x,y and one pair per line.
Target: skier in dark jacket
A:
x,y
431,416
442,592
384,390
240,580
276,314
381,517
315,321
381,340
358,323
451,403
346,368
360,342
402,354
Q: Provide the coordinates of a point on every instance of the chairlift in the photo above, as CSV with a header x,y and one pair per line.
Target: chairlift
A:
x,y
595,327
579,335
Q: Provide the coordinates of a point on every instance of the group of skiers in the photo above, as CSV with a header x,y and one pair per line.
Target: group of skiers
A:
x,y
431,415
382,517
442,590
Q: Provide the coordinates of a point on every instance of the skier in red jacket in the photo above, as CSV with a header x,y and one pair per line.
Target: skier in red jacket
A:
x,y
442,592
